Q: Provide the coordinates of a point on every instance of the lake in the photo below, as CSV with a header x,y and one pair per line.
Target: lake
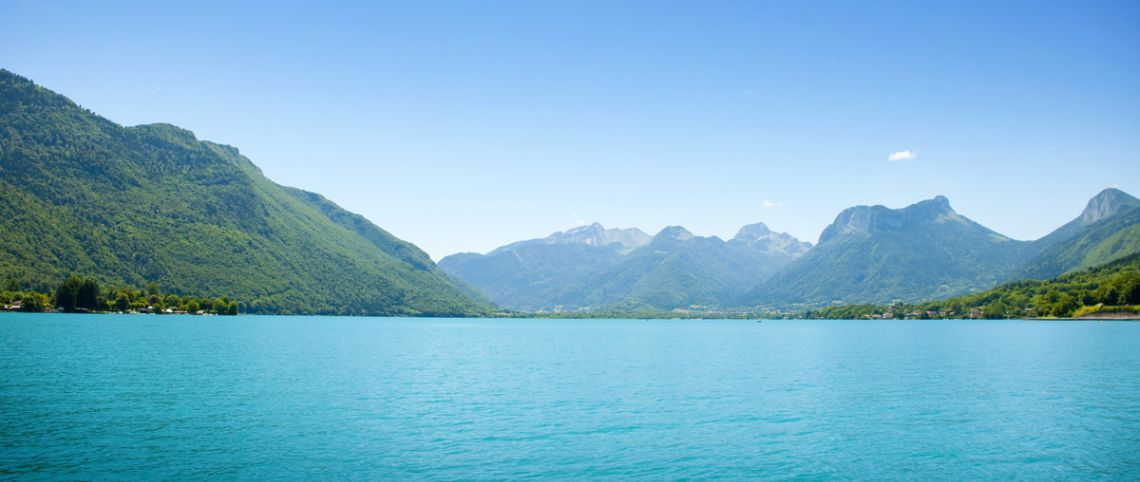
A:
x,y
266,397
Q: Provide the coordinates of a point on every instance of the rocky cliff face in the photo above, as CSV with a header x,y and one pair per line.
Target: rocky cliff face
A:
x,y
865,220
1109,202
877,254
1107,229
760,237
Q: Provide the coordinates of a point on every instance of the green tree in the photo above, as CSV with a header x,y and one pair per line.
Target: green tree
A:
x,y
122,302
34,302
995,310
87,297
1065,306
1130,292
67,293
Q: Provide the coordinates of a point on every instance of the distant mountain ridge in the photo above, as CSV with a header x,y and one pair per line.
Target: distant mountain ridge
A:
x,y
928,251
865,220
758,235
591,235
582,268
874,254
869,254
1106,230
1106,204
152,203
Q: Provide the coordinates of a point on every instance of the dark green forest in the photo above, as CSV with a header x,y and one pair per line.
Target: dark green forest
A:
x,y
1113,287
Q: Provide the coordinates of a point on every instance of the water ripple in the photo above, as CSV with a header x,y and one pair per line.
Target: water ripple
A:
x,y
121,397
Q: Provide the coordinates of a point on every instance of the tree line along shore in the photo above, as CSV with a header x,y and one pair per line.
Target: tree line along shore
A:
x,y
79,294
1110,291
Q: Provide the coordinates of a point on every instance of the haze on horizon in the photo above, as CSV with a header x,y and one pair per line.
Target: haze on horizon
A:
x,y
464,127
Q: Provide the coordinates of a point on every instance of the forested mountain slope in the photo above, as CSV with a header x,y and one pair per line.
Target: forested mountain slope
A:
x,y
151,203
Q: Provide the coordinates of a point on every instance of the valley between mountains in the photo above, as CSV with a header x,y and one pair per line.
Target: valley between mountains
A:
x,y
154,205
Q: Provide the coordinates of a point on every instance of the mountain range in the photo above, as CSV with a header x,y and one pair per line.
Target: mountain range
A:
x,y
872,254
591,267
869,254
152,203
131,206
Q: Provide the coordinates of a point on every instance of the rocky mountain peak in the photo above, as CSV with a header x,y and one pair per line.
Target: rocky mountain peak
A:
x,y
1107,203
868,219
674,232
753,232
935,206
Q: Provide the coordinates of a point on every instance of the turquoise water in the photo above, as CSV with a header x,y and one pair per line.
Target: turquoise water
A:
x,y
152,397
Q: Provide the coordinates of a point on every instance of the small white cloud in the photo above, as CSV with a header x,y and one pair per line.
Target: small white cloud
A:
x,y
578,219
903,156
769,204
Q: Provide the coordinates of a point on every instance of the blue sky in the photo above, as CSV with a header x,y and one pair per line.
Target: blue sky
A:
x,y
462,126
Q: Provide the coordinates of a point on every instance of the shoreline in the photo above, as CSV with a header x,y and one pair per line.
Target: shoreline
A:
x,y
1122,316
1088,317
